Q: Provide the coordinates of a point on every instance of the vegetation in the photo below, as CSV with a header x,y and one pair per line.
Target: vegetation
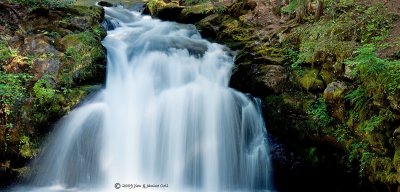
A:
x,y
318,111
43,3
46,67
345,43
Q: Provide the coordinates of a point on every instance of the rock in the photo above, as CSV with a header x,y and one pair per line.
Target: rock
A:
x,y
170,12
334,96
349,72
327,76
48,57
275,77
195,13
394,102
105,4
239,7
164,10
309,79
210,26
334,91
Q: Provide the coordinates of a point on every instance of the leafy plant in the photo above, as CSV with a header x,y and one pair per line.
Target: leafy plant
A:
x,y
360,100
318,110
5,52
378,75
43,90
12,87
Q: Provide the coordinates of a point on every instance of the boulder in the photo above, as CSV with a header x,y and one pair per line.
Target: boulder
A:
x,y
334,96
105,4
309,79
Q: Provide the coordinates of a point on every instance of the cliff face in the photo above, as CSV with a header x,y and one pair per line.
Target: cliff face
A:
x,y
328,73
51,58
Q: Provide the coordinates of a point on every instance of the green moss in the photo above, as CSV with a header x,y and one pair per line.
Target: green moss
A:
x,y
327,76
203,8
381,170
94,12
309,79
396,161
155,5
27,148
235,33
83,56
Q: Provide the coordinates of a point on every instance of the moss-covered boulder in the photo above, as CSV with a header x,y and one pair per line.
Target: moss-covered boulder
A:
x,y
309,79
165,10
334,94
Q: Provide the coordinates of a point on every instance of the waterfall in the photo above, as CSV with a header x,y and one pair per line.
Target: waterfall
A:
x,y
165,121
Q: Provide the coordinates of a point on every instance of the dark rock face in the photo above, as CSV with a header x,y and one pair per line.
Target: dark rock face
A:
x,y
105,4
170,13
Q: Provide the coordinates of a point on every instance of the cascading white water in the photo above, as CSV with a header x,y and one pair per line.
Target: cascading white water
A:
x,y
166,118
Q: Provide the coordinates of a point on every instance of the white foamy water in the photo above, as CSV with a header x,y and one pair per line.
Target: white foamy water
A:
x,y
166,120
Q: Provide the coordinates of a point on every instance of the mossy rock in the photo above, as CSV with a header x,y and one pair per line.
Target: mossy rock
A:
x,y
335,91
195,13
309,79
164,10
83,59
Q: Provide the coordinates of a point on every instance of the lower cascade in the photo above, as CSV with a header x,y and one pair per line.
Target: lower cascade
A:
x,y
165,121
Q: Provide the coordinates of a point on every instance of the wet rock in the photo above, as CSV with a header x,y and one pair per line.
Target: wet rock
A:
x,y
105,4
170,13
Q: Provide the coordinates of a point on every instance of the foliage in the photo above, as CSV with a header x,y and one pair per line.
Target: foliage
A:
x,y
318,111
379,121
27,148
43,90
294,5
379,76
334,39
43,3
361,102
194,2
12,87
5,52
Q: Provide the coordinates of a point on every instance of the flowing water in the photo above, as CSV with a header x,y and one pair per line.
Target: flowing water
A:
x,y
165,121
